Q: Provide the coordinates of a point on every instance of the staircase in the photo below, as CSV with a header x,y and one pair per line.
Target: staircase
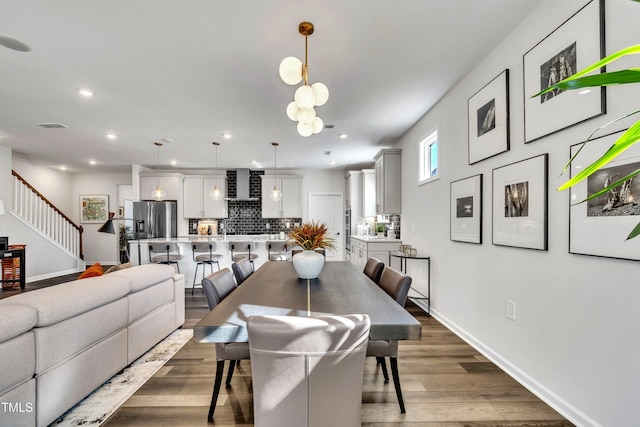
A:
x,y
42,215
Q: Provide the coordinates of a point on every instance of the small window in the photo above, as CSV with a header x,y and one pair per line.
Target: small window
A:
x,y
428,158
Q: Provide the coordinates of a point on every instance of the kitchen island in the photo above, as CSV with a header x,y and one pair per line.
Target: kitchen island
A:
x,y
140,248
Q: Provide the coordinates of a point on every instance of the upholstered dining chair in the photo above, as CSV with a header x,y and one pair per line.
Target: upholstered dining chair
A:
x,y
277,250
243,249
165,253
242,269
373,269
307,371
396,285
204,254
217,287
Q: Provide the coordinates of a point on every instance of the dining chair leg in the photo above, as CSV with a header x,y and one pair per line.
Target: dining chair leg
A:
x,y
232,366
396,382
383,366
216,389
194,278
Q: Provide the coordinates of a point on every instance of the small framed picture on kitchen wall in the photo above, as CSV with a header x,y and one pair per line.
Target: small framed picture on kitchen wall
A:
x,y
466,210
520,204
574,45
488,120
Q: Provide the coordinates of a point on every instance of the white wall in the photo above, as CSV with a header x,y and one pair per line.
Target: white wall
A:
x,y
574,341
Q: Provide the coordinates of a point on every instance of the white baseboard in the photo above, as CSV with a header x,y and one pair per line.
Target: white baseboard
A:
x,y
567,410
51,275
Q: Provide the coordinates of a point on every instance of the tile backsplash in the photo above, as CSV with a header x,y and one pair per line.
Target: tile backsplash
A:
x,y
245,216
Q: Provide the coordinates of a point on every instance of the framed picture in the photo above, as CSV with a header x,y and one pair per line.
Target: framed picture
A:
x,y
466,210
520,204
488,112
600,226
94,208
574,45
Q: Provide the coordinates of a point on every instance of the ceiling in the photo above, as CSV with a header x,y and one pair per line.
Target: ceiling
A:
x,y
188,72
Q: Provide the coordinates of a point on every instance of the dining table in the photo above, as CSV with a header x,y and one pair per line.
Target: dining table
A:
x,y
276,289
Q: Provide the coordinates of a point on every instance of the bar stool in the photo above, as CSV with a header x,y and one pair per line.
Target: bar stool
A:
x,y
243,249
277,250
203,255
165,253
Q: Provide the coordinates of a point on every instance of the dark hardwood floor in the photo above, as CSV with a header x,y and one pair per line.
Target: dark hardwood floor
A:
x,y
445,383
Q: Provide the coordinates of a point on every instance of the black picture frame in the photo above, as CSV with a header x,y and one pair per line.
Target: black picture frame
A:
x,y
466,210
488,119
575,44
520,204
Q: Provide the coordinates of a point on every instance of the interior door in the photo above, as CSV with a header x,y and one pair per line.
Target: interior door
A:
x,y
328,208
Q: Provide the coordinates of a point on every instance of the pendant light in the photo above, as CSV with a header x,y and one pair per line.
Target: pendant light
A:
x,y
301,110
275,194
216,193
158,194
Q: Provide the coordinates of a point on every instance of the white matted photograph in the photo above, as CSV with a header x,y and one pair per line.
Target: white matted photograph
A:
x,y
574,45
600,226
466,210
488,112
520,199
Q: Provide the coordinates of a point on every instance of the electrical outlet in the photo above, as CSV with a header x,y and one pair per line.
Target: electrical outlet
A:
x,y
511,310
413,227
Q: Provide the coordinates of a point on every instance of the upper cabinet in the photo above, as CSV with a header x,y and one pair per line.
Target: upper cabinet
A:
x,y
169,182
290,204
368,206
353,195
388,181
197,203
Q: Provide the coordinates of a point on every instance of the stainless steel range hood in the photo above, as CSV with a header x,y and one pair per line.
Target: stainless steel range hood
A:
x,y
242,186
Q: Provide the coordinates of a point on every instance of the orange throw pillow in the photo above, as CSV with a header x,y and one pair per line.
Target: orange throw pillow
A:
x,y
93,271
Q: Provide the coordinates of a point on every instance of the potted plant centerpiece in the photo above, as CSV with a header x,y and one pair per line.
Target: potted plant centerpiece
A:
x,y
310,236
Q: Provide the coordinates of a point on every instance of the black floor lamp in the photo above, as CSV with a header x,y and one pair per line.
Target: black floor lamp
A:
x,y
107,227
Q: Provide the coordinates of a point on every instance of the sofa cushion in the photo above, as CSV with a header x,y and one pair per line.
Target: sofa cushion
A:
x,y
118,267
60,302
16,319
146,275
18,361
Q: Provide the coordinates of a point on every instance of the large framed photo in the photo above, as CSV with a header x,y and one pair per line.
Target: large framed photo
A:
x,y
94,208
520,204
600,226
488,112
466,210
574,45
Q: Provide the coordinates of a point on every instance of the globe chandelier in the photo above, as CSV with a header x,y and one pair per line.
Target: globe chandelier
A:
x,y
293,71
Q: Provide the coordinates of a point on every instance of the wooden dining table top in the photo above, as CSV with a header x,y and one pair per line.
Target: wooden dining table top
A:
x,y
275,289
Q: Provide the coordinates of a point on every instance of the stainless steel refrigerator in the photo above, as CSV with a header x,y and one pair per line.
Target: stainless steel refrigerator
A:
x,y
155,219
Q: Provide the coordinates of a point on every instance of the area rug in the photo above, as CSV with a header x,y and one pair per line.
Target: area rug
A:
x,y
104,401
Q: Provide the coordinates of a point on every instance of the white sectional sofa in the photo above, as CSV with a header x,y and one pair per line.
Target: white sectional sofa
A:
x,y
59,343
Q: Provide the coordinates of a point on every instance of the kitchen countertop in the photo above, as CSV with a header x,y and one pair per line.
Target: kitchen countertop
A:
x,y
217,238
375,239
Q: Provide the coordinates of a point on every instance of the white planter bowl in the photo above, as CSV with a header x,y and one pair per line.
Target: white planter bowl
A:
x,y
308,264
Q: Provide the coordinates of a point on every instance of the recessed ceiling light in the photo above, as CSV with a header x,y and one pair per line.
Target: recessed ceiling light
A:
x,y
92,162
343,136
584,91
111,136
226,136
173,163
63,168
332,162
85,92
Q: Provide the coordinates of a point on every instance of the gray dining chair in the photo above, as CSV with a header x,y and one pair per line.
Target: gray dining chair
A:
x,y
373,269
217,287
307,371
165,253
242,269
204,254
396,285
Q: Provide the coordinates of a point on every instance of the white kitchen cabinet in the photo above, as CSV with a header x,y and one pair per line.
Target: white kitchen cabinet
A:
x,y
368,207
290,204
388,181
363,248
170,183
197,203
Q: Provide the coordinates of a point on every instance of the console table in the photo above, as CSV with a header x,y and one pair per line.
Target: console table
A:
x,y
403,268
13,252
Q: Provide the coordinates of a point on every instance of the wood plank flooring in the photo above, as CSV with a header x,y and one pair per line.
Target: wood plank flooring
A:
x,y
445,383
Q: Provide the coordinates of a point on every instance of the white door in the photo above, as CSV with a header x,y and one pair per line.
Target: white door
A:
x,y
328,208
